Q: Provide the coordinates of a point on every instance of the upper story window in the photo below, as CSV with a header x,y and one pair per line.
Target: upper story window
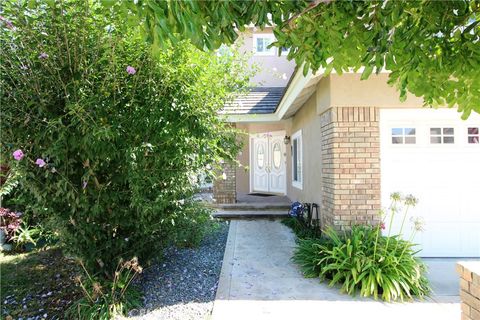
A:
x,y
403,136
297,160
473,135
442,135
261,43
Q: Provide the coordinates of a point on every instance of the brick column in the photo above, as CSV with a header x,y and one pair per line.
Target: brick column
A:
x,y
350,166
224,188
469,272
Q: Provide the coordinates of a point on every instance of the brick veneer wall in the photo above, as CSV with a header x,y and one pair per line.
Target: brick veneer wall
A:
x,y
224,190
350,166
470,289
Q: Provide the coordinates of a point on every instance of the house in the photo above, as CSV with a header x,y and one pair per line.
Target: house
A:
x,y
347,144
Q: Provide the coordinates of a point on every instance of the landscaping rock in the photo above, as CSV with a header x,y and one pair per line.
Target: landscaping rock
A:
x,y
183,285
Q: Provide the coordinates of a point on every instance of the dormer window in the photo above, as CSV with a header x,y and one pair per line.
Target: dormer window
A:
x,y
261,43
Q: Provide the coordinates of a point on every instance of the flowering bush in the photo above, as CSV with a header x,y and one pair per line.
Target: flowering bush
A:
x,y
107,133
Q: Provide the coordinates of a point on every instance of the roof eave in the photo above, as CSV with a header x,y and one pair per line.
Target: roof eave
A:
x,y
294,88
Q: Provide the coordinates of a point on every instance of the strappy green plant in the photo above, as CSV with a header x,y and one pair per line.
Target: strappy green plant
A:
x,y
363,261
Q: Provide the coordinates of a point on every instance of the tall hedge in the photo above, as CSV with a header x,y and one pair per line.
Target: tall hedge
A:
x,y
112,136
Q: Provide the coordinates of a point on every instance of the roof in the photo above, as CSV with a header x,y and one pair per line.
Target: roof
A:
x,y
259,100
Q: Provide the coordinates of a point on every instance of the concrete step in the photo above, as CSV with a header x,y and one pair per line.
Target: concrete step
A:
x,y
250,213
253,206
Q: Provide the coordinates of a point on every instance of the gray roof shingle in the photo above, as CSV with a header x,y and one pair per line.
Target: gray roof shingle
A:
x,y
259,100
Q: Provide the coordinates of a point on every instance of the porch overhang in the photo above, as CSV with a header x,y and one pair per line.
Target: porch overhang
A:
x,y
295,91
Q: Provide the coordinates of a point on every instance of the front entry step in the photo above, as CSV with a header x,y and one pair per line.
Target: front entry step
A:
x,y
269,213
254,206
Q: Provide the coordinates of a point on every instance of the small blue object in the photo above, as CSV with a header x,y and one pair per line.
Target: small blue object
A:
x,y
296,210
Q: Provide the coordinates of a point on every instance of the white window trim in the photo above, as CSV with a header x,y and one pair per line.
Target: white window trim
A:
x,y
298,135
271,51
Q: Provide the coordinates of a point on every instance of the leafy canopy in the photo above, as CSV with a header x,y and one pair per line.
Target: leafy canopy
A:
x,y
431,47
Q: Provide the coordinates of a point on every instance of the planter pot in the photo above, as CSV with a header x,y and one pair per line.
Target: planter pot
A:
x,y
29,247
3,237
7,247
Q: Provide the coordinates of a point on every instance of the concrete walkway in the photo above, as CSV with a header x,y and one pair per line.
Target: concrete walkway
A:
x,y
259,281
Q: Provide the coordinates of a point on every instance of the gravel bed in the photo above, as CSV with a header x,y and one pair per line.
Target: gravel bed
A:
x,y
184,284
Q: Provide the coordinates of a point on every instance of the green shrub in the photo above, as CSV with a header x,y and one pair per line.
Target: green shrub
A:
x,y
365,262
300,230
26,237
194,224
106,135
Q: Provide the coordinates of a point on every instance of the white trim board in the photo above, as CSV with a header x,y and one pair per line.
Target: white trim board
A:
x,y
297,135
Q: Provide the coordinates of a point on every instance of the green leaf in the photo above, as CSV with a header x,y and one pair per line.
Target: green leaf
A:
x,y
367,72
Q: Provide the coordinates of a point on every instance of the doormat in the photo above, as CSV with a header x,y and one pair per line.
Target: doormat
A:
x,y
261,194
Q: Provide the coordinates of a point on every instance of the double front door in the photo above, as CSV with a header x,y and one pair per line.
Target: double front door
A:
x,y
268,167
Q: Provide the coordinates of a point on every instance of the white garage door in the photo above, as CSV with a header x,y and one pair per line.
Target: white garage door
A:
x,y
435,156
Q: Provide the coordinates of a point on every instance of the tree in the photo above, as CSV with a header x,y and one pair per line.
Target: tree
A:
x,y
109,138
431,47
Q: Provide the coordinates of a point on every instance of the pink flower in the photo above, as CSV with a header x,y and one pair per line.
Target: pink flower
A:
x,y
382,225
43,55
131,70
8,23
18,155
40,163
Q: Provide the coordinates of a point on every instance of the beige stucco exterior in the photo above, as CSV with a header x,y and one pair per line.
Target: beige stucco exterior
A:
x,y
346,90
274,70
307,121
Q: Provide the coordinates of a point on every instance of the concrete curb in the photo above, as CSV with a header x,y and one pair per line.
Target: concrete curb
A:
x,y
224,282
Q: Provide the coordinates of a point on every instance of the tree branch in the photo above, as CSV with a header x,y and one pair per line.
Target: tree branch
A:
x,y
311,6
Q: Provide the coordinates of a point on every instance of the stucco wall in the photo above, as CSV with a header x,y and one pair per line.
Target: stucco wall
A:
x,y
274,71
307,121
348,90
243,172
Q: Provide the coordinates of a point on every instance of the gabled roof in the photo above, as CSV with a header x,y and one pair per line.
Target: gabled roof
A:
x,y
259,100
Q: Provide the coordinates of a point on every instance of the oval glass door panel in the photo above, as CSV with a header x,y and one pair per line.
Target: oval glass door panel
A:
x,y
260,157
277,156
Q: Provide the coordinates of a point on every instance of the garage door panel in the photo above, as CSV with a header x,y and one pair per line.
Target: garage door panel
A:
x,y
443,239
445,245
445,178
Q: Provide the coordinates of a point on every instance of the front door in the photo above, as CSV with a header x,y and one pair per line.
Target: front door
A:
x,y
268,167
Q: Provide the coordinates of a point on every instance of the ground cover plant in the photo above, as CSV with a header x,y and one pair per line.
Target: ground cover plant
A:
x,y
300,229
38,283
108,137
366,262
